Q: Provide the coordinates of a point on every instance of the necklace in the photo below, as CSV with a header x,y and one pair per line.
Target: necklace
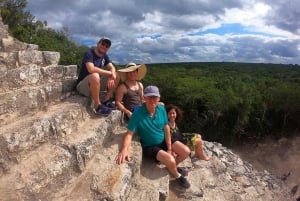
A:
x,y
173,128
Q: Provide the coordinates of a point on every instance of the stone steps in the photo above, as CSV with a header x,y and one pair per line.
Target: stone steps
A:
x,y
60,161
25,134
102,179
52,145
9,44
28,55
54,148
81,166
33,87
57,153
91,137
158,190
37,174
34,75
14,104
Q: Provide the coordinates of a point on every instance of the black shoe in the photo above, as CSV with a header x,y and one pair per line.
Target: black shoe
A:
x,y
109,104
182,181
103,110
182,171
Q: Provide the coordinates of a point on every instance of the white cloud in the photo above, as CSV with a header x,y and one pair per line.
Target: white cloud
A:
x,y
175,31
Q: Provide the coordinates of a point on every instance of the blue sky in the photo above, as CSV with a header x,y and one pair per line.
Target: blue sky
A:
x,y
159,31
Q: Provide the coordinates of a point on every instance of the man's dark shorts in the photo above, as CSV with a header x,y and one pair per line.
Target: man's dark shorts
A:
x,y
151,151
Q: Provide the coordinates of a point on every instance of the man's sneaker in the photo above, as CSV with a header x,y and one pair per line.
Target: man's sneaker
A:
x,y
103,110
182,171
109,104
182,181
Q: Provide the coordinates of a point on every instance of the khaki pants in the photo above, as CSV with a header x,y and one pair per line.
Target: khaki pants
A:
x,y
83,87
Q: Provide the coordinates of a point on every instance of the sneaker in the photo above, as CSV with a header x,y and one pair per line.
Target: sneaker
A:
x,y
103,110
182,171
109,104
182,181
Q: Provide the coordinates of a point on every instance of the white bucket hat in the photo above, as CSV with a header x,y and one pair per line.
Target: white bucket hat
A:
x,y
130,67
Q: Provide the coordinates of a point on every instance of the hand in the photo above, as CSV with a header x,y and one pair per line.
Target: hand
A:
x,y
121,157
129,114
110,83
114,75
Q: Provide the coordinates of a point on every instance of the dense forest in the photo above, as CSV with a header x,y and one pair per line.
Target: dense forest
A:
x,y
232,102
225,102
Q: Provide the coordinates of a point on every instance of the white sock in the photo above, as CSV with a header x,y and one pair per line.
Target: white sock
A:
x,y
178,176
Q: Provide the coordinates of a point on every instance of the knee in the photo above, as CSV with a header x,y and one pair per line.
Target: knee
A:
x,y
199,141
94,78
199,136
170,160
185,151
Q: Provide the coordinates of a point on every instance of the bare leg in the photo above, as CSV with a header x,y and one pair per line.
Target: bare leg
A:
x,y
111,89
199,153
108,95
168,160
94,85
181,151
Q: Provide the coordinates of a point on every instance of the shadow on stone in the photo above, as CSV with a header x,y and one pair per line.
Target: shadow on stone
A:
x,y
153,170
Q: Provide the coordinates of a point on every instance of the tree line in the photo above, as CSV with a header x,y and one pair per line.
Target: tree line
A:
x,y
232,102
23,26
225,102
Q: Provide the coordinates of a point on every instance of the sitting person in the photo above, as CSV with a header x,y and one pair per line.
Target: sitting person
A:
x,y
192,140
150,122
129,94
98,74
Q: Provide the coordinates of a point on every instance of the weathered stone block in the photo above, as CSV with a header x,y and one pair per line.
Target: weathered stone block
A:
x,y
27,57
51,57
9,60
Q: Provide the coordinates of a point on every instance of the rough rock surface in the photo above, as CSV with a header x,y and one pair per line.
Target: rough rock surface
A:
x,y
54,148
280,157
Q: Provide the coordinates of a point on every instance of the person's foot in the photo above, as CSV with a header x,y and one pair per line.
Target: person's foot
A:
x,y
182,171
182,181
103,110
203,157
109,104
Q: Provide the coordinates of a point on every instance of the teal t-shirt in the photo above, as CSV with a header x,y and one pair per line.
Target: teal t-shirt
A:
x,y
150,129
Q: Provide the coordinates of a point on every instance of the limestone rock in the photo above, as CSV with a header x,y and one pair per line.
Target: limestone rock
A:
x,y
54,148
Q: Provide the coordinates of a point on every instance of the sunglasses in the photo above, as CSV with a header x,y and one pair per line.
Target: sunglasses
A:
x,y
104,44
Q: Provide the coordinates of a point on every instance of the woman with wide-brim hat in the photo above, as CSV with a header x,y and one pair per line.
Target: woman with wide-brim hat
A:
x,y
129,93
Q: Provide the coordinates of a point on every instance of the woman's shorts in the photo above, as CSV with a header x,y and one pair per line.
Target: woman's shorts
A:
x,y
190,140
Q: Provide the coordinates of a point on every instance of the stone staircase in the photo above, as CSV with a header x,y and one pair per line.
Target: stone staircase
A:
x,y
52,146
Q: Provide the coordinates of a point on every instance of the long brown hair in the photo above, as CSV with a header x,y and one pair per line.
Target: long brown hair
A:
x,y
179,112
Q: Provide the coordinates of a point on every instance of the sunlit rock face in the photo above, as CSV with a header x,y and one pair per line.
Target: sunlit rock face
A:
x,y
54,148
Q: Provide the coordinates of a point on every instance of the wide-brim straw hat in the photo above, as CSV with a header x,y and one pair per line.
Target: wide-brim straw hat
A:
x,y
130,67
